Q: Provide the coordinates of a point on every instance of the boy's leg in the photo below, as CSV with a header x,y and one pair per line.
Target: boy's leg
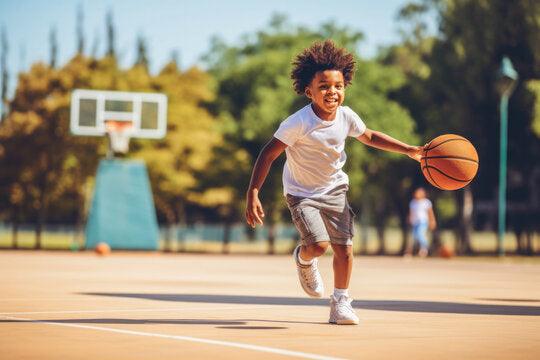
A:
x,y
343,260
341,310
340,226
310,251
308,270
314,238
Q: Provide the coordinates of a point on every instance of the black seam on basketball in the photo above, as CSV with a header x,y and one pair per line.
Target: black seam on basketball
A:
x,y
445,141
450,158
429,173
448,176
427,168
431,177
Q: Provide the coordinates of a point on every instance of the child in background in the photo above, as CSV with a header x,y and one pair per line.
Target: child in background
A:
x,y
420,217
315,186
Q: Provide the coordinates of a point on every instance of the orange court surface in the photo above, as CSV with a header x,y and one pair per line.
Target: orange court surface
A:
x,y
61,305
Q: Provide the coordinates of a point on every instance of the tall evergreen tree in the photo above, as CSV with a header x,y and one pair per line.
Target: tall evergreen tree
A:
x,y
175,58
53,43
4,75
80,29
142,52
111,49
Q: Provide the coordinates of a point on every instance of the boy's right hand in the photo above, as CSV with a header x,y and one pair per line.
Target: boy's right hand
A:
x,y
254,210
415,152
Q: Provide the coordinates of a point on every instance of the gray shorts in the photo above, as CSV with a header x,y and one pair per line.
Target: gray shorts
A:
x,y
326,217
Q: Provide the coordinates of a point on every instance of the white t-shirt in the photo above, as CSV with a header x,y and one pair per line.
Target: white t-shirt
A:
x,y
316,150
419,210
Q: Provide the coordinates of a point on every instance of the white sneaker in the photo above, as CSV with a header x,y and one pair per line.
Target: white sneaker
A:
x,y
341,311
309,276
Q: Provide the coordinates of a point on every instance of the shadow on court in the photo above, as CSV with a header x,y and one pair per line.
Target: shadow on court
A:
x,y
384,305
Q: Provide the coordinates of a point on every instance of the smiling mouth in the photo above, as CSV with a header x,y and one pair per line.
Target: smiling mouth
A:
x,y
331,101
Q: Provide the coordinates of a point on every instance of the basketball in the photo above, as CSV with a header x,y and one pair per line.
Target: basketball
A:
x,y
449,162
102,248
445,252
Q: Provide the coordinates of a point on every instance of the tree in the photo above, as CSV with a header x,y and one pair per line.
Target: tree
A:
x,y
179,164
4,75
111,46
142,56
53,41
80,30
47,166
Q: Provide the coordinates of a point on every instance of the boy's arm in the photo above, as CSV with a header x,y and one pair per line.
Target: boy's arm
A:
x,y
382,141
270,152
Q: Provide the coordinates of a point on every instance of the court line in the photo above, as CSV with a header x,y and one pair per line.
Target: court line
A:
x,y
132,310
187,338
36,299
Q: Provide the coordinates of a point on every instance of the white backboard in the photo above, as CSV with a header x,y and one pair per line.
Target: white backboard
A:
x,y
90,109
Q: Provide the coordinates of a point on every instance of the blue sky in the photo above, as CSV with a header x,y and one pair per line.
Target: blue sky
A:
x,y
184,26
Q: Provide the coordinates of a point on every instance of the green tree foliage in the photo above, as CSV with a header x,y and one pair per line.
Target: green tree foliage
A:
x,y
179,163
36,146
534,87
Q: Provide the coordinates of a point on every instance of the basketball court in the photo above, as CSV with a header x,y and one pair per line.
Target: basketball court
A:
x,y
179,306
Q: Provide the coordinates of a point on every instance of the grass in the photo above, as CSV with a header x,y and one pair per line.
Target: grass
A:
x,y
483,242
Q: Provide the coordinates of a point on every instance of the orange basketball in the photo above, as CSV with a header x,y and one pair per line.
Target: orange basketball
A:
x,y
445,252
102,248
449,162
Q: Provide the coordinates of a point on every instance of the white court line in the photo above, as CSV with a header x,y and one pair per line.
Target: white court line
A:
x,y
188,338
133,310
33,299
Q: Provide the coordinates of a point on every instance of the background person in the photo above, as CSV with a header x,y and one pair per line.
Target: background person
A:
x,y
421,217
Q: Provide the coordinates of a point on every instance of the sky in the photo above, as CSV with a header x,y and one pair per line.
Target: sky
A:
x,y
182,26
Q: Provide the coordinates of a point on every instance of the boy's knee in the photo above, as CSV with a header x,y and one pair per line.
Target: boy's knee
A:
x,y
317,249
343,252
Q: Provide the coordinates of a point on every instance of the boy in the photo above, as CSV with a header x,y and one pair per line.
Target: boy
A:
x,y
315,185
420,217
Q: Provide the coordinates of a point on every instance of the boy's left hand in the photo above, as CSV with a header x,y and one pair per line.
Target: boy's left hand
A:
x,y
415,152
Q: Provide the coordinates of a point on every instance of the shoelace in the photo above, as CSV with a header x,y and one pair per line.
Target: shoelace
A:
x,y
311,276
344,304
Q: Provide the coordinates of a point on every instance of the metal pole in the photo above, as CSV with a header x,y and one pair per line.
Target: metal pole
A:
x,y
502,173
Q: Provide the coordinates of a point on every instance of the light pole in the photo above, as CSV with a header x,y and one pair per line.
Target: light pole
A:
x,y
506,84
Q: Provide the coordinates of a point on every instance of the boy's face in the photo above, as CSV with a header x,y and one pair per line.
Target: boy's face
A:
x,y
327,92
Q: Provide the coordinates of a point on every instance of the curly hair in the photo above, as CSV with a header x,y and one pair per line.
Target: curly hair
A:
x,y
319,57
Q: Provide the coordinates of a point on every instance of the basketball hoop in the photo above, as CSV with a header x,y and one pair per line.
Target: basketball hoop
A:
x,y
118,133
